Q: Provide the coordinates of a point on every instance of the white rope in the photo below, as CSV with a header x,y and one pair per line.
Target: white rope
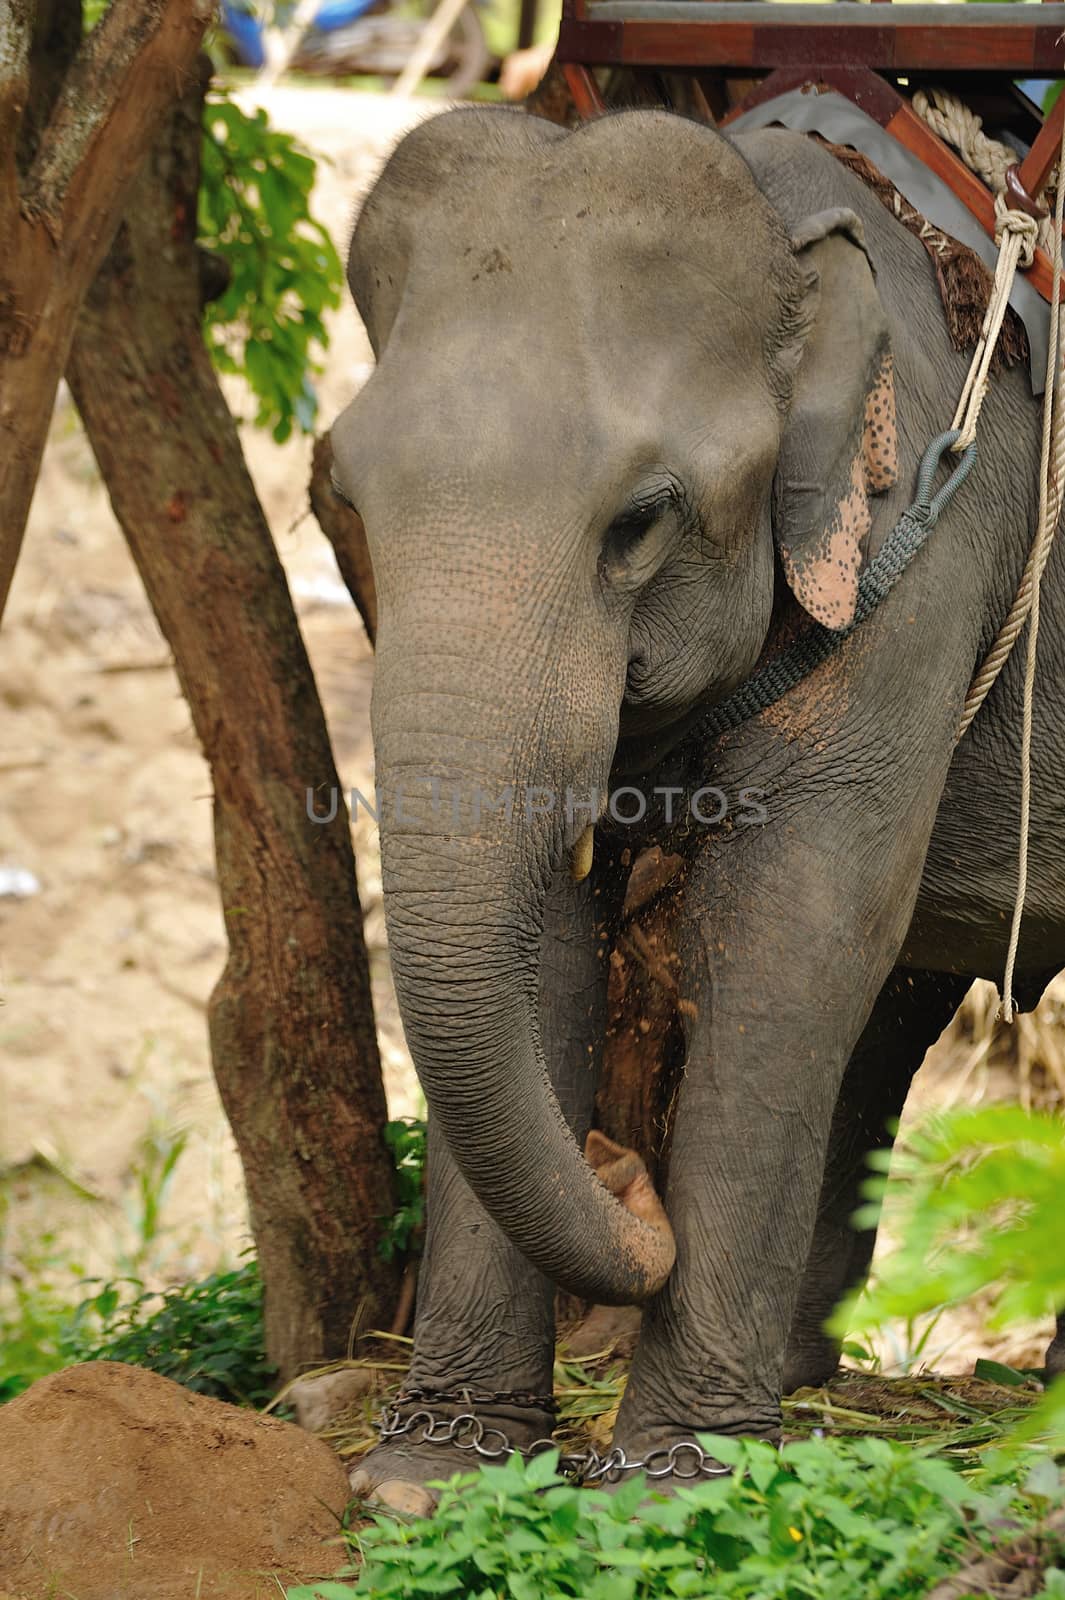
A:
x,y
989,158
1017,235
1050,487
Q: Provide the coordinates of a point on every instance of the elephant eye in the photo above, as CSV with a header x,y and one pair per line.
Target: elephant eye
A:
x,y
637,519
656,504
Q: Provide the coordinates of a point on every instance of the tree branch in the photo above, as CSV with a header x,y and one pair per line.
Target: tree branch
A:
x,y
122,80
127,72
16,31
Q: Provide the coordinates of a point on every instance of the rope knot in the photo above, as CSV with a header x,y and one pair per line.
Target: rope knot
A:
x,y
1020,225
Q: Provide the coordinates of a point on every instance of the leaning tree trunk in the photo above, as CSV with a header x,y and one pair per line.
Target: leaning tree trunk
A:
x,y
291,1021
70,141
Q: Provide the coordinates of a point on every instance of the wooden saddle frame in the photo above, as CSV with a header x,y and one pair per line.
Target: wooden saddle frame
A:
x,y
736,56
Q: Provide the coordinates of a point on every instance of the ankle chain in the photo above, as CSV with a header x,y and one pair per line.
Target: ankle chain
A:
x,y
684,1460
467,1397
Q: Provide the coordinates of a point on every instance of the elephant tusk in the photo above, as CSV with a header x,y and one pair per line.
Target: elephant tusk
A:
x,y
580,861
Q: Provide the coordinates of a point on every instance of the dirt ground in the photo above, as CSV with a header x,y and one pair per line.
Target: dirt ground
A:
x,y
117,1484
108,956
106,967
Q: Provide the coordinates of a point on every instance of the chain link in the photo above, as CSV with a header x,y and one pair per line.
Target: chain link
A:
x,y
466,1397
684,1460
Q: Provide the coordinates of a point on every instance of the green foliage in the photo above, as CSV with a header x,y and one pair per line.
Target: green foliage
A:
x,y
824,1518
982,1208
34,1316
207,1336
981,1211
401,1233
284,271
154,1163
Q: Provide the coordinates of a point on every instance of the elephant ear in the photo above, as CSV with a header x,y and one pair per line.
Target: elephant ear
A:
x,y
839,445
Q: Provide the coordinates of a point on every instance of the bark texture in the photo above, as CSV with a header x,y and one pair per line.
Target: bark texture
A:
x,y
66,163
644,1048
291,1020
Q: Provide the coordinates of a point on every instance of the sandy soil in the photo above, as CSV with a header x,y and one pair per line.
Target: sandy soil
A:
x,y
106,967
117,1484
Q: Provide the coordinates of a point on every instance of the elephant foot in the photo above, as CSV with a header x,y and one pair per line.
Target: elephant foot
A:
x,y
810,1365
399,1472
1055,1356
396,1477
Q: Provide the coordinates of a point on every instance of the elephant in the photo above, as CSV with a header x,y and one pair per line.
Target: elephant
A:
x,y
648,399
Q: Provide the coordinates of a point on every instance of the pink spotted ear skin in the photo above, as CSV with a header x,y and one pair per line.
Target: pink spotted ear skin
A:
x,y
838,442
825,580
880,445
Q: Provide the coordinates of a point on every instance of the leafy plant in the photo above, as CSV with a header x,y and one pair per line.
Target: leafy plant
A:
x,y
207,1336
406,1139
999,1167
982,1211
284,272
823,1518
155,1161
283,269
34,1316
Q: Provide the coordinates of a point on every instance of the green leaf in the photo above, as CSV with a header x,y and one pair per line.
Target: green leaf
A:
x,y
542,1469
997,1372
254,212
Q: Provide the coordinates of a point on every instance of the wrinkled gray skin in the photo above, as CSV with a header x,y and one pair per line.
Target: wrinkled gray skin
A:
x,y
605,372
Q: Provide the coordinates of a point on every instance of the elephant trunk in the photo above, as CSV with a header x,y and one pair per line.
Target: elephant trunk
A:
x,y
464,893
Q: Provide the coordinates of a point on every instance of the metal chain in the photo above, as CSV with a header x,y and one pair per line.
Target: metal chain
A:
x,y
685,1460
606,1469
467,1397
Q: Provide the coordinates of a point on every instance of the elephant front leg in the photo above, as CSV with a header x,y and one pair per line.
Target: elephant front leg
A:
x,y
483,1345
786,949
484,1324
910,1013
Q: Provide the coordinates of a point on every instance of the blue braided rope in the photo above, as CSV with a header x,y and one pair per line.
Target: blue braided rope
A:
x,y
772,681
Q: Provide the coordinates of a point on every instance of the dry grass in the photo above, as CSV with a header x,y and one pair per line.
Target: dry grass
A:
x,y
981,1058
957,1416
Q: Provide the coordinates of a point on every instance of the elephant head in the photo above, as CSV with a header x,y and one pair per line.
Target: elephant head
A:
x,y
608,377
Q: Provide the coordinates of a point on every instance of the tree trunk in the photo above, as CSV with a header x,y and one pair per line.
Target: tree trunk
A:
x,y
63,180
644,1048
291,1020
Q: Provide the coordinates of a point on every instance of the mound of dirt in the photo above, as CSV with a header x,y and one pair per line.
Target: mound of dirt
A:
x,y
116,1484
